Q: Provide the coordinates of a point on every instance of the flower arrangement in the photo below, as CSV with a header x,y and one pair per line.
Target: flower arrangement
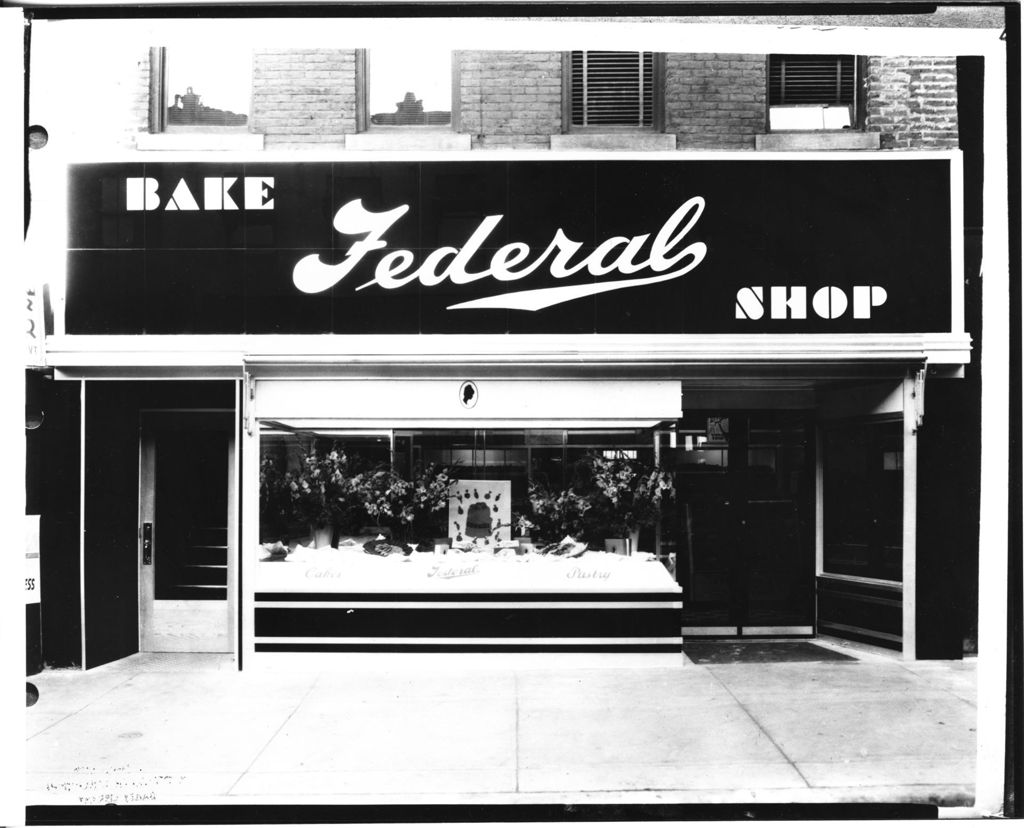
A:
x,y
384,495
429,495
332,488
626,494
411,508
555,513
321,488
608,497
325,489
522,524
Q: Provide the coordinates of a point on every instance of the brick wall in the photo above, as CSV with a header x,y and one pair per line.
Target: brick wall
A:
x,y
911,102
715,101
303,98
510,100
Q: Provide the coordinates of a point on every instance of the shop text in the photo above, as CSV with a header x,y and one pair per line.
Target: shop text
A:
x,y
790,302
667,257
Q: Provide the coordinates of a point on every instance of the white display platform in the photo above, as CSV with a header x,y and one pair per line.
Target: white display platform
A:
x,y
355,571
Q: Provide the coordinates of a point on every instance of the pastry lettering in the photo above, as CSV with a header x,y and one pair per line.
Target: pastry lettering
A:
x,y
576,572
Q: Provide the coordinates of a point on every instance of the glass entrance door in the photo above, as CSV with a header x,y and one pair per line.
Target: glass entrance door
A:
x,y
744,535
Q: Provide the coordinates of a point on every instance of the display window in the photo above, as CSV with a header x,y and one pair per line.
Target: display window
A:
x,y
483,509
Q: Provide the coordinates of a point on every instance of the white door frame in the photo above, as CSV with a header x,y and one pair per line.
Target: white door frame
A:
x,y
193,618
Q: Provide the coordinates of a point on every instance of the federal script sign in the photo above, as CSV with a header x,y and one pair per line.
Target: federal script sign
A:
x,y
575,246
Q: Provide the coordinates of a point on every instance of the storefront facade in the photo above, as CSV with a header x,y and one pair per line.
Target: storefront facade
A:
x,y
760,327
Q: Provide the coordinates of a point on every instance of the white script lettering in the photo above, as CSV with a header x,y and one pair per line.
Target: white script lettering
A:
x,y
440,571
668,258
600,574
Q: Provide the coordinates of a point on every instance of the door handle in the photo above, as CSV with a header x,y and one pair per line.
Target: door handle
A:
x,y
147,544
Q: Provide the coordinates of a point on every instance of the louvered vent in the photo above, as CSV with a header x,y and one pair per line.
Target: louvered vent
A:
x,y
613,89
811,79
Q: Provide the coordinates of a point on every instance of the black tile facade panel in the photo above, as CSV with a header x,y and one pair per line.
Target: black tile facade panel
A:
x,y
235,271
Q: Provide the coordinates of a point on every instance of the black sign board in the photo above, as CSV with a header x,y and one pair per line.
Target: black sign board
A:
x,y
552,246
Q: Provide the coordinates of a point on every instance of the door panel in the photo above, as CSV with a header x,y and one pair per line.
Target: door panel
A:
x,y
745,533
184,579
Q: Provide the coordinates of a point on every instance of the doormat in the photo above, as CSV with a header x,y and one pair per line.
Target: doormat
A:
x,y
758,652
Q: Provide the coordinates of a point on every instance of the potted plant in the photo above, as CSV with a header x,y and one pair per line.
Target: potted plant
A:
x,y
323,493
429,495
384,494
625,496
410,509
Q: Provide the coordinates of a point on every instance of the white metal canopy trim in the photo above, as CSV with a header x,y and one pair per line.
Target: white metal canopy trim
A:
x,y
350,426
453,401
81,356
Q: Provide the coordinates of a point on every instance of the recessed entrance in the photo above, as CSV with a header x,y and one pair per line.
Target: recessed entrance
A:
x,y
744,486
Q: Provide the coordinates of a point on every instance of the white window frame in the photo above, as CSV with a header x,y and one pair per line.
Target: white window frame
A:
x,y
363,82
818,110
162,136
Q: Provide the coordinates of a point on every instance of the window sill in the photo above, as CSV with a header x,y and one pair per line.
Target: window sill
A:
x,y
841,140
199,141
414,140
614,141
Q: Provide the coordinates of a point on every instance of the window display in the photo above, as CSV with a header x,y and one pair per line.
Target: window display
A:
x,y
461,509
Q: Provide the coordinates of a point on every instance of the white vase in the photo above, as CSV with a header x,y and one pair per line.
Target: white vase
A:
x,y
634,542
322,536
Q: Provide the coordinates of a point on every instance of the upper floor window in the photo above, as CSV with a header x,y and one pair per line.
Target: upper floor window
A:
x,y
406,88
194,90
618,90
812,92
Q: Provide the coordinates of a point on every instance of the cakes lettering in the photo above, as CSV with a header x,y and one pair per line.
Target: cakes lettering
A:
x,y
666,256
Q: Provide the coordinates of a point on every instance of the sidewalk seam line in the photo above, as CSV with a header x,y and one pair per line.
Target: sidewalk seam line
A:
x,y
67,716
760,727
943,688
273,736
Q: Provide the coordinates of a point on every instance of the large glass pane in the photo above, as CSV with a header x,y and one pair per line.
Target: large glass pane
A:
x,y
863,503
191,516
410,87
777,554
303,484
325,497
206,87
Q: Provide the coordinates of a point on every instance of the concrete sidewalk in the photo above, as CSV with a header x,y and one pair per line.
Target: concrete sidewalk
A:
x,y
153,729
